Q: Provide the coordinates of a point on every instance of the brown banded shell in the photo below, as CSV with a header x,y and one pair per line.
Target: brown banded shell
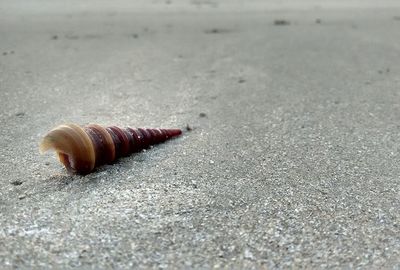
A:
x,y
81,149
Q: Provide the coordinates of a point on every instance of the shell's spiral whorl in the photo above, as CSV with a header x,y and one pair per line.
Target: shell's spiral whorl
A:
x,y
81,149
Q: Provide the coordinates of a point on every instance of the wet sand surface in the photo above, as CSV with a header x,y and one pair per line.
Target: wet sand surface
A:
x,y
293,155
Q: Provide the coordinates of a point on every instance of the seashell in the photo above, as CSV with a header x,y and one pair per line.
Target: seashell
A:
x,y
81,149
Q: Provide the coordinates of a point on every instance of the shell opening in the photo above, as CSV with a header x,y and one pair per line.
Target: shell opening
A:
x,y
73,146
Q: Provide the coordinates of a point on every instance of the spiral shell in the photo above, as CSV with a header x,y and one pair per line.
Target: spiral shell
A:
x,y
81,149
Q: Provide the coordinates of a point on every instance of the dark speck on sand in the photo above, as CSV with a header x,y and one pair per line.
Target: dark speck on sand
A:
x,y
281,22
16,182
216,31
